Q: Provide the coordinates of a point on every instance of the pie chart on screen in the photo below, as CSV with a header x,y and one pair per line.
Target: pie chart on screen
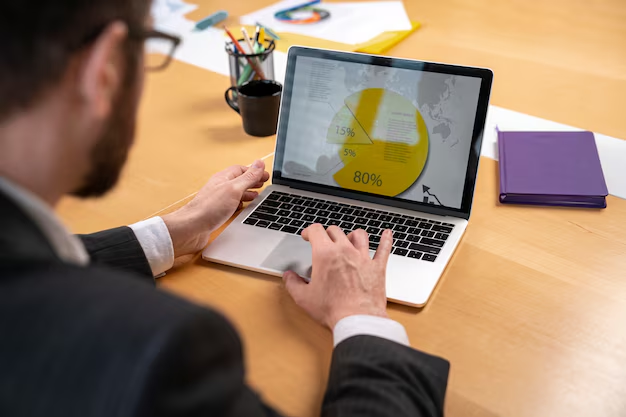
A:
x,y
384,142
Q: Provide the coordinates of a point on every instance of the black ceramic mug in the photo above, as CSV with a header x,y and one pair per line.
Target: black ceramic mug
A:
x,y
258,103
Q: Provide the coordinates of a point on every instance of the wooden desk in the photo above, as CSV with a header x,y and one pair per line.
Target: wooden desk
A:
x,y
530,311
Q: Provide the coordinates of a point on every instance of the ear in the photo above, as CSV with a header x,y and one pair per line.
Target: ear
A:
x,y
103,69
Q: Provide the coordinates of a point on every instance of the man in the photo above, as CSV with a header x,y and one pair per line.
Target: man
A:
x,y
83,331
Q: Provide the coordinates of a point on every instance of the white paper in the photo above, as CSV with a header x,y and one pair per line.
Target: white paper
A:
x,y
350,23
164,10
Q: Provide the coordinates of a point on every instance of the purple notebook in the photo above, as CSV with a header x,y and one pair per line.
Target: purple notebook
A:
x,y
551,169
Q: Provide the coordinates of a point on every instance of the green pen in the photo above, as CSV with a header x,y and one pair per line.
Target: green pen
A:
x,y
247,71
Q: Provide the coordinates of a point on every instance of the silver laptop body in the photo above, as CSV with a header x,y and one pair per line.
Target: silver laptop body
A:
x,y
367,142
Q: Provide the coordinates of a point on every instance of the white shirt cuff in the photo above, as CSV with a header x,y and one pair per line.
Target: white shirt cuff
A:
x,y
155,240
371,326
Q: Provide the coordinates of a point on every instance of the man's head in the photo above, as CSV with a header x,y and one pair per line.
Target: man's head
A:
x,y
75,66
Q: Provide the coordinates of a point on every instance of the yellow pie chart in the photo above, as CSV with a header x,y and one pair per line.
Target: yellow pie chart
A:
x,y
384,142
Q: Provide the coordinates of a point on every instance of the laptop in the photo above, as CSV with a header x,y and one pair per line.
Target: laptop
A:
x,y
374,143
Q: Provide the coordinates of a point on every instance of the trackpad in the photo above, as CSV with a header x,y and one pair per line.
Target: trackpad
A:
x,y
292,254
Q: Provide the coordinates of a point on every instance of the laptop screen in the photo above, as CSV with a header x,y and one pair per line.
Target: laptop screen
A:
x,y
394,132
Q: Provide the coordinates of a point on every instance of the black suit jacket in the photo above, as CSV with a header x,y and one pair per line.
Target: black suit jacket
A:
x,y
102,341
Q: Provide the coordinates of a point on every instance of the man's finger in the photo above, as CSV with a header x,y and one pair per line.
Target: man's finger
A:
x,y
316,234
360,240
257,185
336,234
384,249
253,175
295,285
249,195
232,172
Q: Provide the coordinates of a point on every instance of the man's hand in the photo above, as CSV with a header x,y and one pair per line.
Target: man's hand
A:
x,y
191,225
345,281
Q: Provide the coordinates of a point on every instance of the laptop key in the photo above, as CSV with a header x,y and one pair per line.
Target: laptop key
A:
x,y
283,213
286,206
297,201
411,223
346,210
359,213
424,225
385,218
322,206
399,236
306,224
347,226
262,223
295,215
269,210
424,248
275,226
374,223
308,218
323,213
290,229
427,233
336,216
373,230
310,210
413,238
401,244
284,220
321,220
273,196
250,221
271,203
432,242
371,215
443,229
373,246
428,257
333,222
334,207
399,228
386,225
286,199
415,254
297,223
447,224
309,203
264,216
413,231
348,218
400,251
441,236
397,220
299,209
375,239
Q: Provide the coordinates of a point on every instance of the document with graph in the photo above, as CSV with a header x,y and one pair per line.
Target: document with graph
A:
x,y
388,131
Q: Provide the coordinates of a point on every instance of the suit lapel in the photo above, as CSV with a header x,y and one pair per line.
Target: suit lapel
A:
x,y
20,238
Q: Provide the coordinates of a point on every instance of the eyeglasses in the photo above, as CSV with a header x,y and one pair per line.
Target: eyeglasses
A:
x,y
159,53
160,48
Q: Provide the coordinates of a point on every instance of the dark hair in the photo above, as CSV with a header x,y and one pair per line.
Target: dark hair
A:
x,y
39,37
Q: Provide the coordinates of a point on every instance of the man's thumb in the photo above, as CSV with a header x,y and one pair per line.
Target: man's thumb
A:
x,y
252,176
294,284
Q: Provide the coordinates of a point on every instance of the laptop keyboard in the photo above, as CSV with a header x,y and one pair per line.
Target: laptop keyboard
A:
x,y
413,237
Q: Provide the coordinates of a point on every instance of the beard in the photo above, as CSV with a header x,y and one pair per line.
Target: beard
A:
x,y
109,155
